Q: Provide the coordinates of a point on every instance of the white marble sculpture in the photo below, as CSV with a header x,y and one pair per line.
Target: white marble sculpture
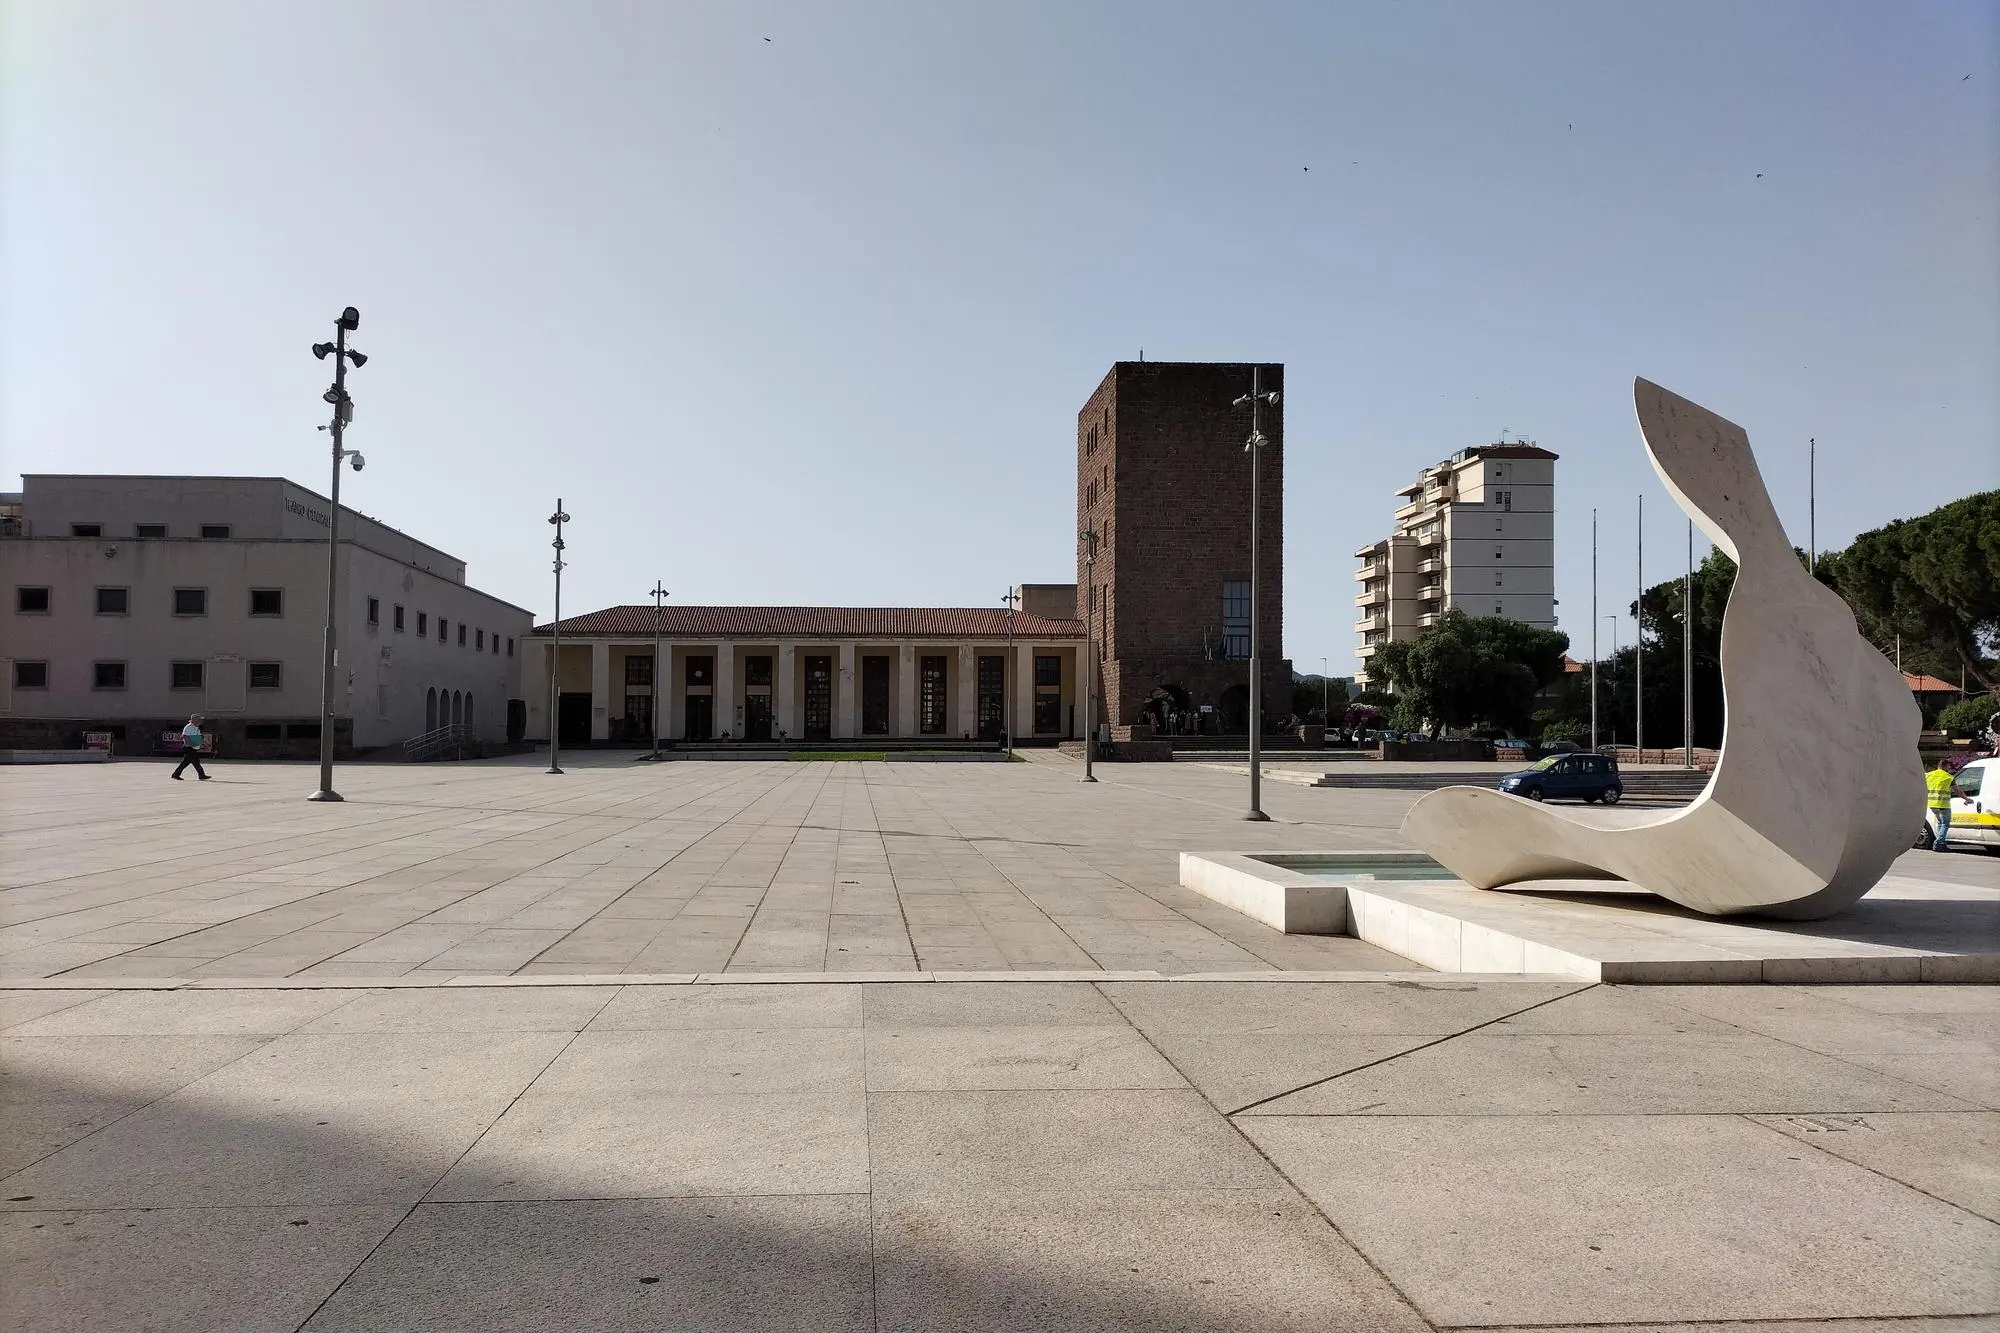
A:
x,y
1818,785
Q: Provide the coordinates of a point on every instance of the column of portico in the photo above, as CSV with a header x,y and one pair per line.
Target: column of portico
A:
x,y
968,692
725,690
600,691
1024,690
673,712
846,666
906,690
788,703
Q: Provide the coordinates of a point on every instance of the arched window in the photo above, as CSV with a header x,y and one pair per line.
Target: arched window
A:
x,y
431,709
457,708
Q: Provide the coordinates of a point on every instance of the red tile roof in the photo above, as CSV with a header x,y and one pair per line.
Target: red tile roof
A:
x,y
1928,684
814,622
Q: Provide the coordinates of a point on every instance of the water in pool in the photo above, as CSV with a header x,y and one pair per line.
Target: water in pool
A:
x,y
1336,868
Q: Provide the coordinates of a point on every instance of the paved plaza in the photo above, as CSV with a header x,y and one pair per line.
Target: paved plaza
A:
x,y
699,1046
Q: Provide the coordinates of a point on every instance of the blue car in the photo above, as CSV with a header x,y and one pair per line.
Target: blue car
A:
x,y
1586,777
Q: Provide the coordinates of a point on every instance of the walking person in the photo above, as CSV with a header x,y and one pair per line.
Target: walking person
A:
x,y
1937,788
191,748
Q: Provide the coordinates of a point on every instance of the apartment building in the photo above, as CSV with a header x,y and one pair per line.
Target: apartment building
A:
x,y
1475,532
134,601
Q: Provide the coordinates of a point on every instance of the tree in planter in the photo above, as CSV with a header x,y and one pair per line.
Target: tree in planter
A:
x,y
1968,716
1468,669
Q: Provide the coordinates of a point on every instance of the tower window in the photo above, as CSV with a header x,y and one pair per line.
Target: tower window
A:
x,y
1236,621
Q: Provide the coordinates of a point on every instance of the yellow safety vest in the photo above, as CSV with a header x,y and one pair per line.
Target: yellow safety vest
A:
x,y
1938,783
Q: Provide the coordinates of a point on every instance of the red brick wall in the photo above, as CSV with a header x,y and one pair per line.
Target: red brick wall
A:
x,y
1167,486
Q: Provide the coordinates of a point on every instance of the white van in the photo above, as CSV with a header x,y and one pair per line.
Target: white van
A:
x,y
1975,807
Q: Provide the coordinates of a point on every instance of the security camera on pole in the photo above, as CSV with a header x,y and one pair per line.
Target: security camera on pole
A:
x,y
343,412
1257,398
555,646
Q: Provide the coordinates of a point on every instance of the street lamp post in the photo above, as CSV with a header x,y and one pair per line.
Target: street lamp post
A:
x,y
555,646
1614,683
659,592
1593,631
343,412
1326,699
1639,643
1254,446
1687,658
1010,601
1089,650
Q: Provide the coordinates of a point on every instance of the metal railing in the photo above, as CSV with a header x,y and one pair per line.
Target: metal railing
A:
x,y
452,741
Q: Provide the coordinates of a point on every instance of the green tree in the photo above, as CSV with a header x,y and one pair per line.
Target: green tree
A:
x,y
1934,583
1469,669
1968,716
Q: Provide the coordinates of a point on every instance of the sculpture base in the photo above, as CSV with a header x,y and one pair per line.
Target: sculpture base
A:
x,y
1907,930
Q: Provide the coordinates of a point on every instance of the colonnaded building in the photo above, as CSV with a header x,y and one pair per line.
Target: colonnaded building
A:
x,y
1162,481
135,601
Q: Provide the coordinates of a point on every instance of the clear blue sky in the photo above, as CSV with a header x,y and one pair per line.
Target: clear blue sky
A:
x,y
809,319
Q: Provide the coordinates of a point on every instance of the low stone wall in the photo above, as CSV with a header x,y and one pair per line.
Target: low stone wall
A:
x,y
1460,751
1146,751
139,737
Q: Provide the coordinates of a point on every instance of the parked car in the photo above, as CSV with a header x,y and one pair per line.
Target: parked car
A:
x,y
1975,809
1586,777
1561,747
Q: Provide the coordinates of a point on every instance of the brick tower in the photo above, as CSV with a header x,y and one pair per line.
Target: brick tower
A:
x,y
1162,477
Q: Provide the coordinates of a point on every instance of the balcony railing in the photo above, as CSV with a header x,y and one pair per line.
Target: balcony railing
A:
x,y
1374,622
1372,597
1434,565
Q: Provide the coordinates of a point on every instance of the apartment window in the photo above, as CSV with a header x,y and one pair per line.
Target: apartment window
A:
x,y
215,530
396,612
444,630
190,601
185,675
461,634
510,645
107,675
150,530
639,671
31,601
1496,578
374,611
1236,621
86,529
479,640
423,626
114,601
267,601
31,675
266,675
1504,499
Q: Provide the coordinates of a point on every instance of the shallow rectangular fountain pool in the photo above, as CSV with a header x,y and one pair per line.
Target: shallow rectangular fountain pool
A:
x,y
1342,867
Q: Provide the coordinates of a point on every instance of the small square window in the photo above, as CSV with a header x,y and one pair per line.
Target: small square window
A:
x,y
396,612
114,601
31,601
107,675
86,529
190,601
150,530
479,640
374,611
215,530
31,675
1496,578
186,675
461,634
423,623
266,675
267,601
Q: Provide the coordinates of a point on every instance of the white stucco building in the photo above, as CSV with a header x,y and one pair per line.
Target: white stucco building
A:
x,y
134,601
812,673
1475,532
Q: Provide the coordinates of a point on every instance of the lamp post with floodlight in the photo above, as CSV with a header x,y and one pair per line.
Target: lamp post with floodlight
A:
x,y
555,647
1257,398
1010,601
343,412
659,678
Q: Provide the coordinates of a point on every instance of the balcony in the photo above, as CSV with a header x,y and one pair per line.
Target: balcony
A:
x,y
1433,537
1432,565
1372,597
1374,569
1427,619
1366,651
1430,592
1375,621
1410,510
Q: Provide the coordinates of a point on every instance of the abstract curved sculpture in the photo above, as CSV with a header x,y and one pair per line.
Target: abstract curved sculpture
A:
x,y
1818,785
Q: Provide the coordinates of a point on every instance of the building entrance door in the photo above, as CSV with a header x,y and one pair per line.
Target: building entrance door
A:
x,y
757,717
992,697
639,716
818,720
874,696
700,717
573,718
